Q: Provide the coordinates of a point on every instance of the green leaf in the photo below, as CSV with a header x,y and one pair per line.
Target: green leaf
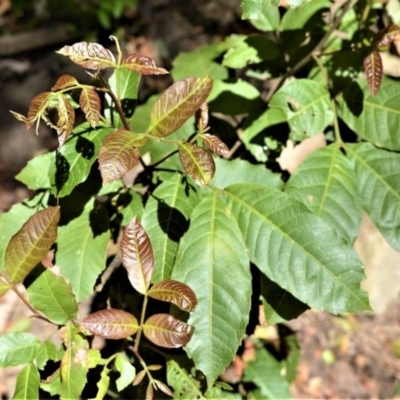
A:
x,y
295,19
130,205
3,287
28,382
71,164
46,351
251,8
268,17
124,84
31,243
94,358
213,262
126,369
82,246
34,174
52,295
265,372
103,384
166,219
179,102
17,348
325,182
52,384
378,182
184,384
241,171
297,250
307,107
374,118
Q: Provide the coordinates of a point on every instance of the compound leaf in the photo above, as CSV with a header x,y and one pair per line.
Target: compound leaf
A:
x,y
325,182
119,154
137,256
179,102
197,162
66,119
31,243
52,295
166,331
28,383
89,55
306,104
378,183
142,65
297,250
212,260
111,324
82,246
90,104
17,348
174,292
166,219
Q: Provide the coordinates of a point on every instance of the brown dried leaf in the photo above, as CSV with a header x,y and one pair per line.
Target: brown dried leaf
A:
x,y
149,392
119,154
174,292
163,387
197,162
66,119
166,331
89,55
215,144
137,256
31,243
64,81
142,64
388,36
111,324
139,377
373,71
37,107
177,104
202,118
90,103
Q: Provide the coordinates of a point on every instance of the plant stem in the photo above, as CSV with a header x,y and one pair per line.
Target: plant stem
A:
x,y
336,129
142,316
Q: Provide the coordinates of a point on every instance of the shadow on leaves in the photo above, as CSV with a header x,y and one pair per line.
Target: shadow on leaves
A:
x,y
62,171
354,98
85,148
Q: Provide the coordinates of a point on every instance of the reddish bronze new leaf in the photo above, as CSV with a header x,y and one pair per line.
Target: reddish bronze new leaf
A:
x,y
89,101
37,108
64,81
202,118
142,64
197,162
31,243
149,392
166,331
66,119
137,256
139,377
119,154
177,104
89,55
215,144
175,292
163,387
388,36
111,324
373,71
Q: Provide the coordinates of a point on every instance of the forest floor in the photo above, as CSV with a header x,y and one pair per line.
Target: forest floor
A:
x,y
347,357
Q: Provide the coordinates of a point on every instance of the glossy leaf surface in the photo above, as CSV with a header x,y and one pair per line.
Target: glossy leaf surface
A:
x,y
71,165
89,55
82,246
119,154
306,104
373,71
215,144
325,182
142,65
28,381
37,107
166,219
44,295
297,250
179,102
166,331
31,244
137,256
374,118
197,162
174,292
378,183
212,260
17,348
66,119
64,81
111,324
90,103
